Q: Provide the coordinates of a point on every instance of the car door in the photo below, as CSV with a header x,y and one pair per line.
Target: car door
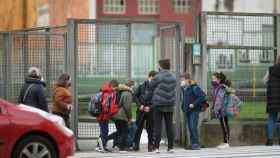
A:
x,y
4,131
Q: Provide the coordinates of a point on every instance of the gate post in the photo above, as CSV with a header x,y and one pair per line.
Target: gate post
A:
x,y
71,68
7,63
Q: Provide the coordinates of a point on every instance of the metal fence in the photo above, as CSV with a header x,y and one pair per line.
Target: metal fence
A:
x,y
123,50
242,46
21,50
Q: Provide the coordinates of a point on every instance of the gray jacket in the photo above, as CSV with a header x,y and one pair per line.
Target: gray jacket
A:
x,y
162,90
125,104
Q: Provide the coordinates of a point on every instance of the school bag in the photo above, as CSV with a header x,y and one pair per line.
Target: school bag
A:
x,y
95,105
112,103
233,105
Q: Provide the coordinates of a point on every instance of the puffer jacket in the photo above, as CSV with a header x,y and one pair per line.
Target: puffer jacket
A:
x,y
33,94
61,97
162,90
192,94
273,89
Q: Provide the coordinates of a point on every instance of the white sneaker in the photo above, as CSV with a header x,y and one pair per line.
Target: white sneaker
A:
x,y
170,151
100,143
157,151
223,146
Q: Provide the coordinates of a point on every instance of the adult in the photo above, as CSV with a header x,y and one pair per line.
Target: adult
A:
x,y
33,93
273,99
62,98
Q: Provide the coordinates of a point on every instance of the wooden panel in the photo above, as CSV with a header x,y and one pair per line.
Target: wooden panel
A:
x,y
17,14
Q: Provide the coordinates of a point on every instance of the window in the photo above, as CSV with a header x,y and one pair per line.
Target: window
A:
x,y
244,56
265,56
225,61
182,6
148,6
114,6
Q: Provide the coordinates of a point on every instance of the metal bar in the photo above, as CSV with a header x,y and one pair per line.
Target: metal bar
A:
x,y
240,14
7,63
276,35
240,47
129,52
72,70
168,27
39,33
25,53
48,63
36,29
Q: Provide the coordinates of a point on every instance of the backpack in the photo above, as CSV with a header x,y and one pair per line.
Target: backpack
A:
x,y
112,103
95,105
233,105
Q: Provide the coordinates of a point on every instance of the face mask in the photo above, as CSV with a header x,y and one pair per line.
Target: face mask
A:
x,y
215,83
183,83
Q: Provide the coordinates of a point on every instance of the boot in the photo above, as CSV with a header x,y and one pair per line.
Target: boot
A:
x,y
269,142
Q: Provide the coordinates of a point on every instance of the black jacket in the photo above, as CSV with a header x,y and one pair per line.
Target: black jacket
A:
x,y
139,94
35,96
162,90
273,89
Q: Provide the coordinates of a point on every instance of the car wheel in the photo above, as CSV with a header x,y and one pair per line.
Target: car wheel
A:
x,y
35,147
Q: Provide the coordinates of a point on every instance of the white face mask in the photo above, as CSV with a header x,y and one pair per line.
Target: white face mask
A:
x,y
183,83
42,79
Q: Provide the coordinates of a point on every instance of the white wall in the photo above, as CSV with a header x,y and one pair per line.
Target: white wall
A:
x,y
248,6
92,9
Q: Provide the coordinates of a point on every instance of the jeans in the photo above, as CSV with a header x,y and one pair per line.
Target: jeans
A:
x,y
168,119
192,120
104,130
121,134
143,117
272,119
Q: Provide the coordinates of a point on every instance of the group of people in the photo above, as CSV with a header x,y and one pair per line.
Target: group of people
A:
x,y
155,100
33,93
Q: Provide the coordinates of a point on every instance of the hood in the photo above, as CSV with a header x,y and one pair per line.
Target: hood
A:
x,y
106,88
34,81
123,87
229,89
275,71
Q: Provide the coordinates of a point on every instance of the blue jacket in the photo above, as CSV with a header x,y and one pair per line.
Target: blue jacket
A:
x,y
192,94
35,96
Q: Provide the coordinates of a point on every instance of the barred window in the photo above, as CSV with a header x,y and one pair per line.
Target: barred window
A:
x,y
148,6
114,6
182,6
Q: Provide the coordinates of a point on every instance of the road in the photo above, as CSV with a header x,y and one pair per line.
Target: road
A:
x,y
233,152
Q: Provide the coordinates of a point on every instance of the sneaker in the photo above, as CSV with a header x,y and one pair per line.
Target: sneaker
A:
x,y
170,151
195,147
123,151
156,151
269,142
223,146
100,143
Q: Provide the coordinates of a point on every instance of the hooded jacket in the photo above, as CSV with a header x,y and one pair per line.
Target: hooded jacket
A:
x,y
273,89
61,97
33,94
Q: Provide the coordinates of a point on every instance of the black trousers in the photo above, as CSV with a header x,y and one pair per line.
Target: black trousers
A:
x,y
142,118
225,128
65,117
121,134
168,119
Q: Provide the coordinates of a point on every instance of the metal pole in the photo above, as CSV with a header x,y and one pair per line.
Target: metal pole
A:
x,y
25,53
72,70
129,51
48,63
7,63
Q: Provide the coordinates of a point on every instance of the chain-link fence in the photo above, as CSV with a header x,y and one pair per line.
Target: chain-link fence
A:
x,y
122,50
22,50
242,46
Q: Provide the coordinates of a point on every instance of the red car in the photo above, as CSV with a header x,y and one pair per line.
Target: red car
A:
x,y
27,132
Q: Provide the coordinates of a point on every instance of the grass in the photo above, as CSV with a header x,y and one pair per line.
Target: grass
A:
x,y
253,110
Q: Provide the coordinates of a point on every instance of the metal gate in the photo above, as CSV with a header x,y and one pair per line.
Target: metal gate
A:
x,y
242,46
99,51
20,50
